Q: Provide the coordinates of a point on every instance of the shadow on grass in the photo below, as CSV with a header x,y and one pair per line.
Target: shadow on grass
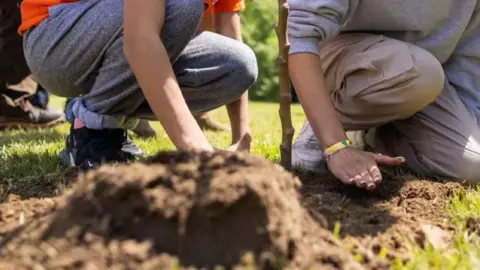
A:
x,y
41,186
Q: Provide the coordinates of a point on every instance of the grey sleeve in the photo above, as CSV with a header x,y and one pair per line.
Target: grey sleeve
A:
x,y
463,69
311,21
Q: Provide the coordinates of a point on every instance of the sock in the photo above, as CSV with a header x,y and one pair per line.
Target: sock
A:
x,y
78,124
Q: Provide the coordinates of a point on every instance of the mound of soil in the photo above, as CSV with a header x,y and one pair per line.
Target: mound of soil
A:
x,y
178,210
380,224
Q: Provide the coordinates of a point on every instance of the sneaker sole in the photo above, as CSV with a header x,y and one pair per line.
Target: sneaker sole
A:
x,y
32,125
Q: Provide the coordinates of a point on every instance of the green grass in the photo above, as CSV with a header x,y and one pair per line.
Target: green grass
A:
x,y
28,158
465,250
25,154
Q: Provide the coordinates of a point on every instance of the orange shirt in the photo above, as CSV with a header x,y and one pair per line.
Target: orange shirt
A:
x,y
35,11
224,5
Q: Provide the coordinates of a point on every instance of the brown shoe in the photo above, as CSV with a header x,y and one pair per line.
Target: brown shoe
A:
x,y
207,123
21,113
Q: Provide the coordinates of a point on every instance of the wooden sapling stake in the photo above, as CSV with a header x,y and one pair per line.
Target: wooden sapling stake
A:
x,y
284,93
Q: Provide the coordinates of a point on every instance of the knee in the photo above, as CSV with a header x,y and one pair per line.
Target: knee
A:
x,y
427,84
466,169
243,66
463,169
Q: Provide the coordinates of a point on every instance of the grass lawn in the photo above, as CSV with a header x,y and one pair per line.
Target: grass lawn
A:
x,y
28,158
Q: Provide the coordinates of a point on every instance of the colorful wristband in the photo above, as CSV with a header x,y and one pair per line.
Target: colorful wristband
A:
x,y
334,149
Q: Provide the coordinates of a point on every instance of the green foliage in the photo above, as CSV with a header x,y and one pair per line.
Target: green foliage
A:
x,y
258,22
464,252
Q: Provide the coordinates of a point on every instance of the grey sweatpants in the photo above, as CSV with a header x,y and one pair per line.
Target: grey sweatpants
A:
x,y
78,52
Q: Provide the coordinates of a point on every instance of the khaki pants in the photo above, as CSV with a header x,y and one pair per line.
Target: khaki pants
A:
x,y
399,92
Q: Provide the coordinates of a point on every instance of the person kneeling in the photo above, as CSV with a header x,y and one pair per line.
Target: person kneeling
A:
x,y
410,78
130,60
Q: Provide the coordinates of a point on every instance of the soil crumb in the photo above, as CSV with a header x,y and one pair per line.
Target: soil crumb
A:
x,y
181,211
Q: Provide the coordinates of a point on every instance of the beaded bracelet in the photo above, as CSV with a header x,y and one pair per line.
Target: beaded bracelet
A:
x,y
334,149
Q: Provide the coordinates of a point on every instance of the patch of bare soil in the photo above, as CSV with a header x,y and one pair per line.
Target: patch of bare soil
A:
x,y
16,212
179,211
384,221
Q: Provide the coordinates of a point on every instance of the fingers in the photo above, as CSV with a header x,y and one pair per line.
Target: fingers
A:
x,y
346,178
360,168
386,160
365,174
355,176
364,179
376,174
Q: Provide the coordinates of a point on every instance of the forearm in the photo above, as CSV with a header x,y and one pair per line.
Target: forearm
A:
x,y
151,65
307,77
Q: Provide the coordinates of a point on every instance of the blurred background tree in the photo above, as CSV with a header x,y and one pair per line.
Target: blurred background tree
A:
x,y
258,22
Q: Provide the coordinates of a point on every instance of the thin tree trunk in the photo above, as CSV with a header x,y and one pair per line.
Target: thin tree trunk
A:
x,y
284,93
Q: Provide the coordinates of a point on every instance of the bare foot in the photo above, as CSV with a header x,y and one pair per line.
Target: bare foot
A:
x,y
241,146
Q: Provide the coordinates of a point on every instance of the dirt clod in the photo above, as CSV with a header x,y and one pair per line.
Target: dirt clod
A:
x,y
176,211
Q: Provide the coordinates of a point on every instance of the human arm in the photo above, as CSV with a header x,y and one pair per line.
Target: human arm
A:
x,y
148,58
308,24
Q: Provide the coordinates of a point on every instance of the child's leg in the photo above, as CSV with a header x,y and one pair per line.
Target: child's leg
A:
x,y
441,140
78,52
212,71
373,80
215,70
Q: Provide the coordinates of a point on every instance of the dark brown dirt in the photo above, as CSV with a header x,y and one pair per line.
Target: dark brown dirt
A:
x,y
189,210
16,212
389,218
473,226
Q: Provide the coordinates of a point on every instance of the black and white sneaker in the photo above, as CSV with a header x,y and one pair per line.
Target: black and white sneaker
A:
x,y
130,147
88,148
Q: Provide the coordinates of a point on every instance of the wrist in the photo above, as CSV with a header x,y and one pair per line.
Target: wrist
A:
x,y
199,147
328,139
334,149
194,143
